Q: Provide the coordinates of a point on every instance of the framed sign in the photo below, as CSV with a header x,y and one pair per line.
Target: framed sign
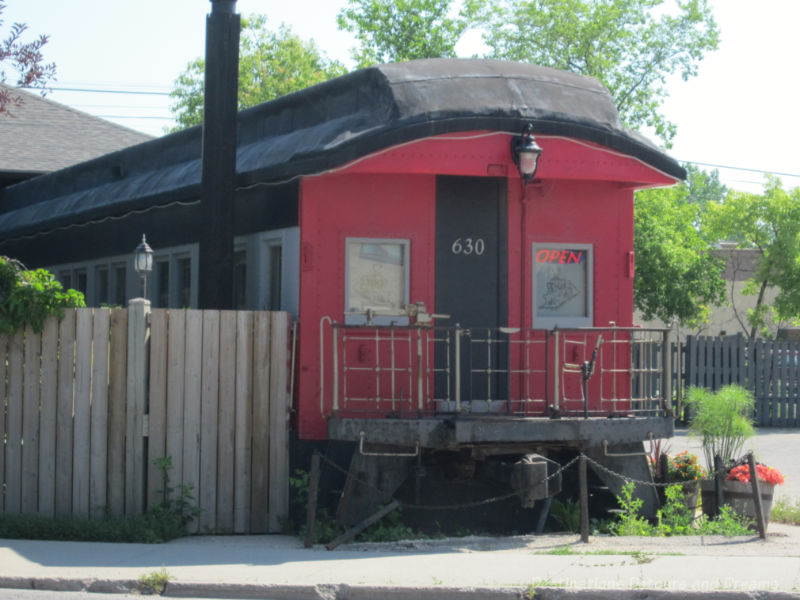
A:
x,y
562,285
377,278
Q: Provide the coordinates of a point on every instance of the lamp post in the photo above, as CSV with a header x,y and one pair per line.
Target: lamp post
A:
x,y
526,153
143,263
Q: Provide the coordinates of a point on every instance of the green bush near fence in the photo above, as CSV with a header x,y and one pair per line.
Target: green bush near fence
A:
x,y
166,521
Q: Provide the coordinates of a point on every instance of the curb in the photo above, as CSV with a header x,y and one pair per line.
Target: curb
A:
x,y
240,591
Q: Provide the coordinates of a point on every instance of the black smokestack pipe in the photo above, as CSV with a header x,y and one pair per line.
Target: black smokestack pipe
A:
x,y
215,289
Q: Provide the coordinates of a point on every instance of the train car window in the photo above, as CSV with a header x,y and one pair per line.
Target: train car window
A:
x,y
562,285
81,280
119,282
184,273
240,279
162,283
101,283
377,278
275,277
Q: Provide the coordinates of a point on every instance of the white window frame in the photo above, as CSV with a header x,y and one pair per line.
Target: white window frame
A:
x,y
550,322
357,318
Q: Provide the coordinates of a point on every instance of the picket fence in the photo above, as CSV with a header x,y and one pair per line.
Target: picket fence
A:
x,y
770,369
91,401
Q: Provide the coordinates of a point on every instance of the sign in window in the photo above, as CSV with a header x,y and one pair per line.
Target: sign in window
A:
x,y
562,285
377,277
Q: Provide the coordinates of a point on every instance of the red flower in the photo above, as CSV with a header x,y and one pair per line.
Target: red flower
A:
x,y
765,474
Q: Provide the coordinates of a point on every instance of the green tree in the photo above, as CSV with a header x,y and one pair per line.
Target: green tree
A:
x,y
399,30
28,297
677,276
631,46
271,64
770,224
25,59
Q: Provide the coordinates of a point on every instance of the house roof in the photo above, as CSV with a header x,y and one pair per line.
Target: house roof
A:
x,y
330,124
42,136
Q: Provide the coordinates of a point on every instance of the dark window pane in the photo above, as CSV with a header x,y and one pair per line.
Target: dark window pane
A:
x,y
240,279
185,275
120,282
275,255
101,286
162,286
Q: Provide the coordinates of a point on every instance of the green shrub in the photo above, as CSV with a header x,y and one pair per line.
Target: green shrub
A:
x,y
29,297
723,419
161,523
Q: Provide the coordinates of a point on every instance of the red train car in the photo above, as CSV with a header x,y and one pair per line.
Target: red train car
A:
x,y
454,307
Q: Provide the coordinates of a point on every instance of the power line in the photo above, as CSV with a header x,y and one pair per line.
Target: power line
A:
x,y
133,117
749,170
106,91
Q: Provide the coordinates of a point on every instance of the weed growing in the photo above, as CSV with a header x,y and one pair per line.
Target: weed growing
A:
x,y
162,523
674,518
783,511
154,582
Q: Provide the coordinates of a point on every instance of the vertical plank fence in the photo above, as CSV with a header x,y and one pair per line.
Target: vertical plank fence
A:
x,y
90,401
770,369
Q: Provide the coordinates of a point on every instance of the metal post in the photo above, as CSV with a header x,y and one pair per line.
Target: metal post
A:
x,y
458,368
584,493
556,371
419,371
666,375
335,370
761,524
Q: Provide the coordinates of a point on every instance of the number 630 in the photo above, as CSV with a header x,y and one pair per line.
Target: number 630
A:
x,y
468,246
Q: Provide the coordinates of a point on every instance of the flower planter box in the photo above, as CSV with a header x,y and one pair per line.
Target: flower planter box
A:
x,y
739,495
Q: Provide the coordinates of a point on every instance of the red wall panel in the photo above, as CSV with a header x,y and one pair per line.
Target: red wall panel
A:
x,y
583,195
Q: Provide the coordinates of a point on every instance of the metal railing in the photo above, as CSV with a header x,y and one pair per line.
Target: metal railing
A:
x,y
415,370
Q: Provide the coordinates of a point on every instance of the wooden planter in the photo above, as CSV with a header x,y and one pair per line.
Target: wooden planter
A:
x,y
739,495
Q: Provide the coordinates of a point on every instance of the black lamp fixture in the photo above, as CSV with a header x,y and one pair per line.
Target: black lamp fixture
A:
x,y
526,153
143,263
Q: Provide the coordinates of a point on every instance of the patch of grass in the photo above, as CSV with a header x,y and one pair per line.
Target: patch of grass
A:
x,y
151,528
548,582
783,511
642,558
154,582
166,521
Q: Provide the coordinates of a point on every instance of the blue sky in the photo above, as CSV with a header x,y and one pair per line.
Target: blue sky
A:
x,y
740,111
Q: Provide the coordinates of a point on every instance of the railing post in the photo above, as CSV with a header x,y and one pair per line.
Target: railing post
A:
x,y
556,370
420,389
666,374
137,379
458,368
335,337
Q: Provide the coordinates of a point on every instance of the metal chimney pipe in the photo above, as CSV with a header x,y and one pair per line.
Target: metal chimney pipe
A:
x,y
217,193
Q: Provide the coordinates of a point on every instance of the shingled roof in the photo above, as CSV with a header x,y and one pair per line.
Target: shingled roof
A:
x,y
42,136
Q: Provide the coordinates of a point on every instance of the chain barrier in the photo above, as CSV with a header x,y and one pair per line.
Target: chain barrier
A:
x,y
500,498
506,496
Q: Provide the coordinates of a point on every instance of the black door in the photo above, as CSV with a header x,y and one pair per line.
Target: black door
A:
x,y
471,280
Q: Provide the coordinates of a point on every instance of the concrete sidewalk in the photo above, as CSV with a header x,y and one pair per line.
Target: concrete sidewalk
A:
x,y
554,566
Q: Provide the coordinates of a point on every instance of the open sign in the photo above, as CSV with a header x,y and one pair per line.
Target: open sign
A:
x,y
563,257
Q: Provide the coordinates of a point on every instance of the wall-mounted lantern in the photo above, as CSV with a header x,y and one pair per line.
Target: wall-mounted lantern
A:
x,y
143,263
526,153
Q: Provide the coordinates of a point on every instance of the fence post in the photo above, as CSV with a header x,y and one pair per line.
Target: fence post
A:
x,y
135,456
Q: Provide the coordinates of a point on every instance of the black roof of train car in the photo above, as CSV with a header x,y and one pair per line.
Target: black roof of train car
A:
x,y
328,125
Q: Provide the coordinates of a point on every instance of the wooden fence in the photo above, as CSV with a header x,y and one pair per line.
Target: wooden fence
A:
x,y
768,368
93,399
